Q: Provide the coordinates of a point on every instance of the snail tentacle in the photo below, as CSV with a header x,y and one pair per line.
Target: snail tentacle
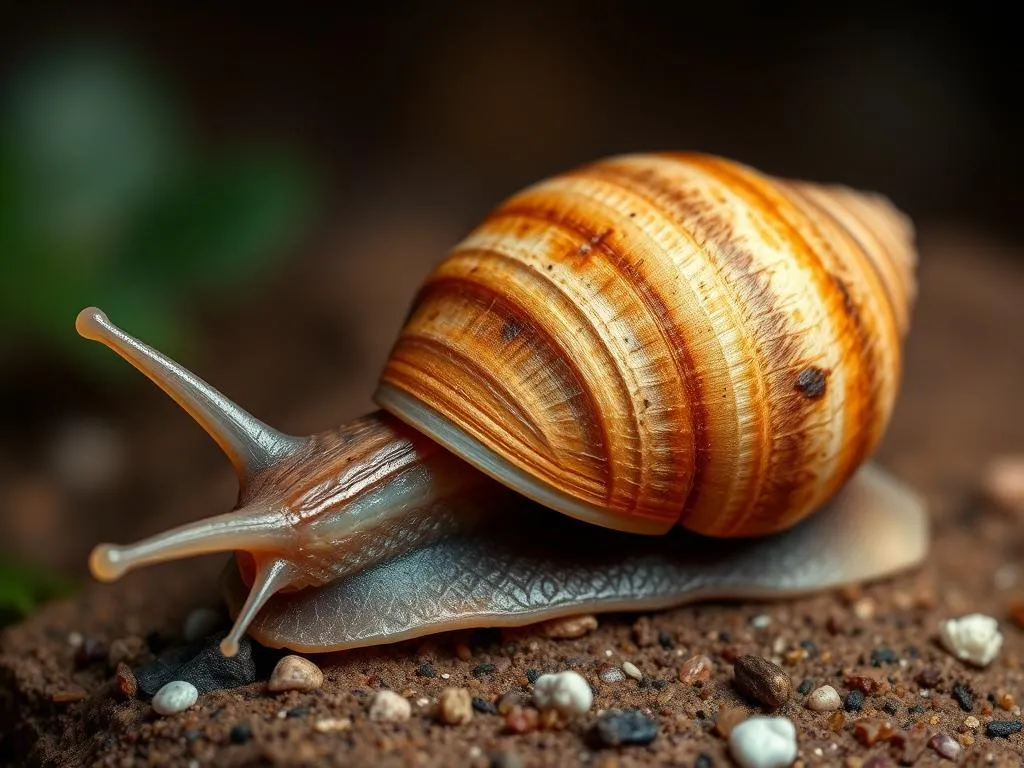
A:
x,y
251,445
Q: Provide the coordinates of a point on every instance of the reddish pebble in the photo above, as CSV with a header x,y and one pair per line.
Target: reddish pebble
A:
x,y
728,718
835,722
863,683
521,720
946,746
126,682
868,732
695,669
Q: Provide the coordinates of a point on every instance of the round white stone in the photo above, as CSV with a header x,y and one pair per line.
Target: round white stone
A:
x,y
388,706
566,692
175,697
763,742
974,638
824,699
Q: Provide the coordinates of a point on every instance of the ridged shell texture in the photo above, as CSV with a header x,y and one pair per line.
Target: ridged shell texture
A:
x,y
664,338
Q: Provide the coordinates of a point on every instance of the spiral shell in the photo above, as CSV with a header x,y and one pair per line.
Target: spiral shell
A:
x,y
662,338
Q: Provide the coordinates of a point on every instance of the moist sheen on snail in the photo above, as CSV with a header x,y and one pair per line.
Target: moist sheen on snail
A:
x,y
678,353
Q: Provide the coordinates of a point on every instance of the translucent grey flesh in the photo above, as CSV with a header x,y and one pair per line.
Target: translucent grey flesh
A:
x,y
528,564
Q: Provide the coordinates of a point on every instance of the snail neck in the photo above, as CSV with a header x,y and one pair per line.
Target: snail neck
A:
x,y
367,492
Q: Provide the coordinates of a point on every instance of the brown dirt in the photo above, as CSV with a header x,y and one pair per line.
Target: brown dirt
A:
x,y
960,406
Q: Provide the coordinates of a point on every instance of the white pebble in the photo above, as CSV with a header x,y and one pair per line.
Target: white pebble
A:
x,y
566,692
824,699
632,670
761,621
175,697
763,742
389,707
200,623
974,638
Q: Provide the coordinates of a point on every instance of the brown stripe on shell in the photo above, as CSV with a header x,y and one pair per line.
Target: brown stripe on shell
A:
x,y
862,356
786,489
687,417
454,397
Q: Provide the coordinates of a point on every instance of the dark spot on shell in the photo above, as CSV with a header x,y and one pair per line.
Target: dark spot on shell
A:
x,y
510,330
811,383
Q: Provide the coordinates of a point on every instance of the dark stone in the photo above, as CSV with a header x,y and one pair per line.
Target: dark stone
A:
x,y
614,729
854,701
484,707
963,698
1003,729
299,710
241,733
703,761
426,670
881,656
891,707
810,647
666,641
659,685
483,669
202,664
533,674
805,687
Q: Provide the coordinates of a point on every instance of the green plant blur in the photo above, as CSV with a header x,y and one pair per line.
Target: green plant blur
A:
x,y
106,199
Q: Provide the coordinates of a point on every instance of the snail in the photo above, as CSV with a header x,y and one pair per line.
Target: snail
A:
x,y
682,355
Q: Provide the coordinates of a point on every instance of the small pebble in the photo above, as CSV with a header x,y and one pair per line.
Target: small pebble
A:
x,y
241,733
610,673
963,698
1003,728
704,760
533,675
929,677
510,700
332,724
666,641
631,669
521,720
483,669
295,673
454,706
615,729
567,628
566,692
806,687
126,682
388,706
200,623
729,717
483,706
972,722
695,669
946,746
881,656
761,621
1004,482
426,670
824,699
763,742
854,701
974,638
868,731
176,696
763,681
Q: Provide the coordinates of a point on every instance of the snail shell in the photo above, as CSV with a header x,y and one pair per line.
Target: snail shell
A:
x,y
653,339
643,341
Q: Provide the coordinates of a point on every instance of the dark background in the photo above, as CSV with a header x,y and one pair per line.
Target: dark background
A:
x,y
405,127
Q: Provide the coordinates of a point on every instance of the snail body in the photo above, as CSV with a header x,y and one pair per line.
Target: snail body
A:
x,y
674,346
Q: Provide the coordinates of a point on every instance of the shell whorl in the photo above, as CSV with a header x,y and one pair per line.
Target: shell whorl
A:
x,y
652,339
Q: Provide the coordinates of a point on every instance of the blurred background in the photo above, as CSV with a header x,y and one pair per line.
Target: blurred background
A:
x,y
259,194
